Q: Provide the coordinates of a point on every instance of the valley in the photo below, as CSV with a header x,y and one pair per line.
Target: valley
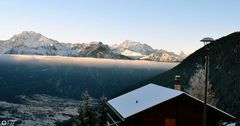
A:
x,y
69,77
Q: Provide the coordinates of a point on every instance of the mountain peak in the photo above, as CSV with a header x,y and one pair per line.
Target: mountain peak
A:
x,y
133,43
30,37
182,54
135,46
29,33
25,35
130,42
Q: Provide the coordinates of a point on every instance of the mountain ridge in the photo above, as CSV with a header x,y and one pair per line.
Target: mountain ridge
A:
x,y
32,43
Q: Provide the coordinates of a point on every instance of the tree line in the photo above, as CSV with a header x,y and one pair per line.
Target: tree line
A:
x,y
89,115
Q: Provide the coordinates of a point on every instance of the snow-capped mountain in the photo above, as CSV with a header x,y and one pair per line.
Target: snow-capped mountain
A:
x,y
163,56
97,50
132,54
133,46
32,43
182,54
141,51
29,42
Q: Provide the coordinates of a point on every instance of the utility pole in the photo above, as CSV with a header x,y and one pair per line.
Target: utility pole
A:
x,y
206,41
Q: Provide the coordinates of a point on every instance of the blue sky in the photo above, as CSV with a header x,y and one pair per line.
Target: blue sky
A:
x,y
173,25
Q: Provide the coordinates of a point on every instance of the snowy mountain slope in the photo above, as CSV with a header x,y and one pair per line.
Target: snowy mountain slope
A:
x,y
133,46
98,50
163,56
132,54
182,54
31,39
32,43
141,51
29,42
40,50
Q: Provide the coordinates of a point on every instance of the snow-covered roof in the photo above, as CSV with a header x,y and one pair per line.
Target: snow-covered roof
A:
x,y
142,99
146,97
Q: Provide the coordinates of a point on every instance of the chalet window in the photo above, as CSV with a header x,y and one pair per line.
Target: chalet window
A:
x,y
170,122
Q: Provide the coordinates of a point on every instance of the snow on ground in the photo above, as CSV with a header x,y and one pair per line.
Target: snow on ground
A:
x,y
39,110
232,124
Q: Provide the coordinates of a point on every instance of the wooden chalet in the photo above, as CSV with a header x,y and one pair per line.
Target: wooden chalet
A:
x,y
154,105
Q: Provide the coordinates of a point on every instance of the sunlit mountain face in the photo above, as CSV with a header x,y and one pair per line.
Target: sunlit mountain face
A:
x,y
32,43
69,77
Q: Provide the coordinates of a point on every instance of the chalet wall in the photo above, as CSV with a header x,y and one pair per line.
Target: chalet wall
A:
x,y
175,112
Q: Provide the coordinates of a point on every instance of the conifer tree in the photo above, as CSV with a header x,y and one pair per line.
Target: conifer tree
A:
x,y
102,111
87,116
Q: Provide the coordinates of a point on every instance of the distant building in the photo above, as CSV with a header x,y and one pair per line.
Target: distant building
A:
x,y
154,105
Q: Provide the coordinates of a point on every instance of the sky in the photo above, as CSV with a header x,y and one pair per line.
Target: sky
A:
x,y
173,25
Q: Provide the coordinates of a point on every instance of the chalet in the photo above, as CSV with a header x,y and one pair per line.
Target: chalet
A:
x,y
154,105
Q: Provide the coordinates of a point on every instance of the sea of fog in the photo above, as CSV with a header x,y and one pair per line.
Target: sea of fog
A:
x,y
70,76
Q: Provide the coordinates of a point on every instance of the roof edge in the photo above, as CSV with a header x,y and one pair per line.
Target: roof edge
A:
x,y
116,112
212,106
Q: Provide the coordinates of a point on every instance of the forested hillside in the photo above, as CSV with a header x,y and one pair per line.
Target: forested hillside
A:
x,y
224,72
